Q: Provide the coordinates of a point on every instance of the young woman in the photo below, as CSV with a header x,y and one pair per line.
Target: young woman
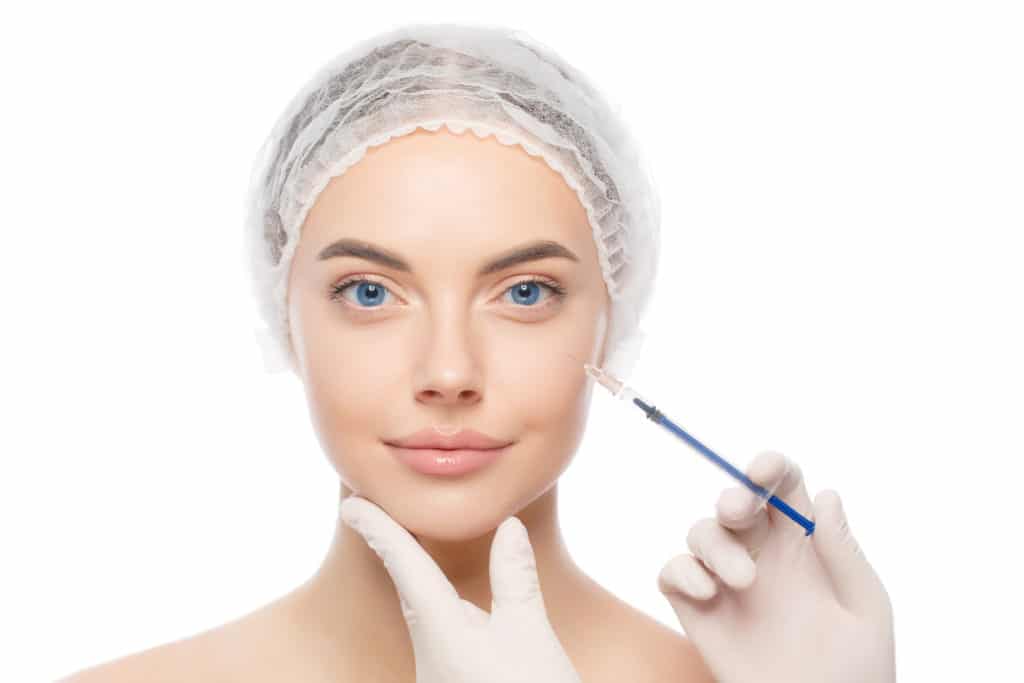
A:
x,y
447,222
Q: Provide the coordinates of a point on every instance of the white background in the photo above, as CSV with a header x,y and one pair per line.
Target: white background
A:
x,y
841,280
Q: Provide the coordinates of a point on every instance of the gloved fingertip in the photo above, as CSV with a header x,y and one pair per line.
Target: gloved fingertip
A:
x,y
736,504
829,502
514,577
514,540
350,513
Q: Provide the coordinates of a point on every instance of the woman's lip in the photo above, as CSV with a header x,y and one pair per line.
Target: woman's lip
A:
x,y
447,462
462,439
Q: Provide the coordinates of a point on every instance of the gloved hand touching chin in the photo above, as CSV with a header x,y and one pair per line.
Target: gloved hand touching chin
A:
x,y
454,641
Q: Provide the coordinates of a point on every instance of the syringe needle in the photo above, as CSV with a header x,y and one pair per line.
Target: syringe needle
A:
x,y
620,390
604,379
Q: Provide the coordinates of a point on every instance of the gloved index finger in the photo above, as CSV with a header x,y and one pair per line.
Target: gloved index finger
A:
x,y
784,478
422,586
739,507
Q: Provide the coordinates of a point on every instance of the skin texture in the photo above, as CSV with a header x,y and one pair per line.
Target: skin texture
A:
x,y
444,345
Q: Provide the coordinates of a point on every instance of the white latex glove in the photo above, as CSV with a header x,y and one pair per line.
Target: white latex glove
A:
x,y
761,601
454,641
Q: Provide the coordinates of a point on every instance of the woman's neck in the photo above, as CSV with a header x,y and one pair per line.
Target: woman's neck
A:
x,y
351,610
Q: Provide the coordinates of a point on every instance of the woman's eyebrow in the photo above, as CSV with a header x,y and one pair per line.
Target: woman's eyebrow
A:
x,y
533,251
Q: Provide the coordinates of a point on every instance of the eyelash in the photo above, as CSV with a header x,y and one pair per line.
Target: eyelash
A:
x,y
558,292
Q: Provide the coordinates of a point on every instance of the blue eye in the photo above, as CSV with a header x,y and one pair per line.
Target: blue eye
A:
x,y
368,292
527,292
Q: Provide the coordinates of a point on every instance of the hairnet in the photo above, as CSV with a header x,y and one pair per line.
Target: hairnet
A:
x,y
492,80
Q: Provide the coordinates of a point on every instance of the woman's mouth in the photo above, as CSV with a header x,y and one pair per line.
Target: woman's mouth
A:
x,y
447,462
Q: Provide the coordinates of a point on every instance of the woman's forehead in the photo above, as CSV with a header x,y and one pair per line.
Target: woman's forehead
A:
x,y
479,195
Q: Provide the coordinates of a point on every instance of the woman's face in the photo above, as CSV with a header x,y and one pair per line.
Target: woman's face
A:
x,y
387,350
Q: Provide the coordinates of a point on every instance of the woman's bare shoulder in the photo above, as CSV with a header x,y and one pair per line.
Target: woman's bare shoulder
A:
x,y
637,647
175,661
673,657
250,648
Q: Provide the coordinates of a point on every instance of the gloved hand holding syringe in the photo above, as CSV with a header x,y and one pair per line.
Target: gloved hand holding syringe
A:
x,y
762,601
621,391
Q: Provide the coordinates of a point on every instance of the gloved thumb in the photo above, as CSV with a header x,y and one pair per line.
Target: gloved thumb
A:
x,y
854,580
514,581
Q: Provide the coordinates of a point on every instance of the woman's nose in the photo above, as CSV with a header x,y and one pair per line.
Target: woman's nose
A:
x,y
449,372
448,393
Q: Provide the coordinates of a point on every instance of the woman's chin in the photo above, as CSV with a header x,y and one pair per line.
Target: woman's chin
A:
x,y
448,523
450,533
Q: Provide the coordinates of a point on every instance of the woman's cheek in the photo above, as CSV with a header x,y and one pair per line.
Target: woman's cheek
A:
x,y
351,391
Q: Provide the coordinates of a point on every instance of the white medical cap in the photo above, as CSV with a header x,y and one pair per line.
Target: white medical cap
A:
x,y
492,80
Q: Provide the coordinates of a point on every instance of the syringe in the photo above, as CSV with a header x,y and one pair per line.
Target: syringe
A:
x,y
621,391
